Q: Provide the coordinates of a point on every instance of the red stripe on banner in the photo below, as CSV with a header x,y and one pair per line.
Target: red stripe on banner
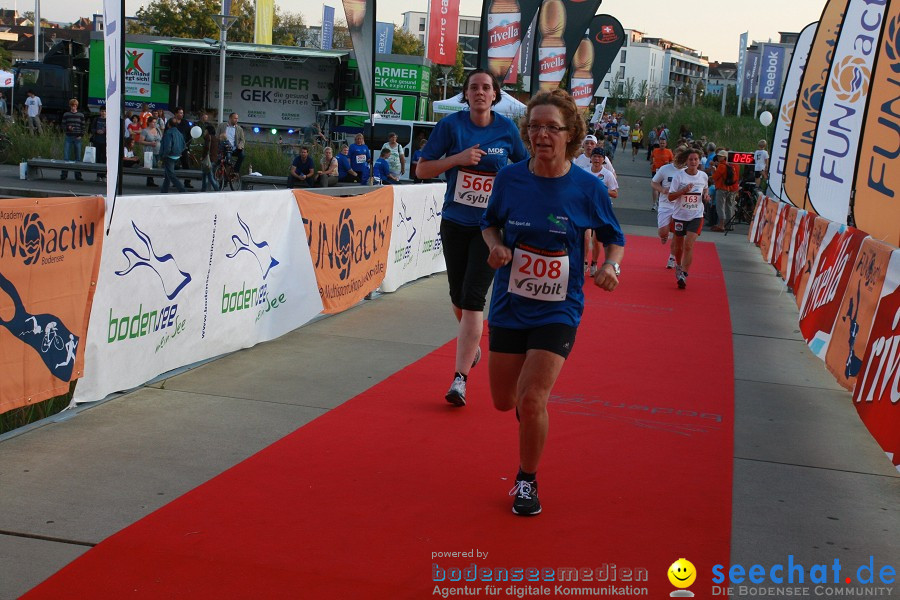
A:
x,y
443,31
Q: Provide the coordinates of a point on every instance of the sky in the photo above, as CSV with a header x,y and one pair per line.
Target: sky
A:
x,y
711,27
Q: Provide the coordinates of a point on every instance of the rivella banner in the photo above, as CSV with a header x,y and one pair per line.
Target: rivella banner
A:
x,y
877,187
809,102
875,394
850,334
502,31
186,278
841,118
349,243
416,249
561,27
49,259
593,57
825,289
785,115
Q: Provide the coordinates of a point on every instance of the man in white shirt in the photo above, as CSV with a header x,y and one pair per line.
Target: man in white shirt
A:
x,y
624,133
761,158
235,135
587,146
33,108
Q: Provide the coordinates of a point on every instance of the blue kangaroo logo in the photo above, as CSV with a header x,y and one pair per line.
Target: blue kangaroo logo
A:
x,y
172,278
260,250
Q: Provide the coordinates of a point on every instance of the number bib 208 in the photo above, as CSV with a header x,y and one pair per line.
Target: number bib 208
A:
x,y
473,188
539,274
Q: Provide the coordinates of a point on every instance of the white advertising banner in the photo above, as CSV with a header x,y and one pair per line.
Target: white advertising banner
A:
x,y
416,249
189,277
263,95
138,72
836,143
785,116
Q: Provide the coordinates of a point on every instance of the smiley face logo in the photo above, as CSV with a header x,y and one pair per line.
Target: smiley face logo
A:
x,y
682,573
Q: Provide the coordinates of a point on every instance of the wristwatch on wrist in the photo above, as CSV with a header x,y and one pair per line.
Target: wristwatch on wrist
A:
x,y
615,266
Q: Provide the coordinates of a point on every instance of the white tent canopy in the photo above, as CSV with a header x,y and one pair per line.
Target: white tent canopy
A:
x,y
507,106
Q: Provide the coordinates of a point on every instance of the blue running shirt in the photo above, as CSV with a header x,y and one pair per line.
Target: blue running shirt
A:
x,y
468,188
359,159
543,221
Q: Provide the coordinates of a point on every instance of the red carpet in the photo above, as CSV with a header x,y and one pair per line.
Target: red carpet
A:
x,y
636,473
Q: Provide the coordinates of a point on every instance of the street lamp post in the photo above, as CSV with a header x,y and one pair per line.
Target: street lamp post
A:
x,y
224,22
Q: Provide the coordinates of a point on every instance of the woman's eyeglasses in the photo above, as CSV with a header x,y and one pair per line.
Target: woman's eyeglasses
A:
x,y
550,129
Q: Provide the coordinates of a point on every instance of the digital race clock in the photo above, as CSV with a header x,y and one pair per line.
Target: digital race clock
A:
x,y
741,158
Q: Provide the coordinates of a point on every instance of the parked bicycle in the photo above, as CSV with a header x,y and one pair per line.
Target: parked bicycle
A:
x,y
225,173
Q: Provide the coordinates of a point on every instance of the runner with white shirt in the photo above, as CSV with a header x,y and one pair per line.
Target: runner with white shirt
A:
x,y
598,168
583,160
660,183
689,190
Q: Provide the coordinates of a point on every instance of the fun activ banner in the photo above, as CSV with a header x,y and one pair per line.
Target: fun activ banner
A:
x,y
876,207
778,236
416,249
850,334
503,27
561,27
361,23
841,118
825,290
786,114
876,393
189,277
772,212
758,210
443,31
49,258
809,103
593,57
349,243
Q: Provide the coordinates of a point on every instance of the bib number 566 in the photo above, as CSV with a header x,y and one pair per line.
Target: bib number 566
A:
x,y
478,184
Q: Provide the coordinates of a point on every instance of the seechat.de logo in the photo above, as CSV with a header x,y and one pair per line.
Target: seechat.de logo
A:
x,y
261,251
170,276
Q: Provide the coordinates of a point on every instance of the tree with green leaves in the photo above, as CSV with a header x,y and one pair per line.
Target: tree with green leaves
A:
x,y
407,43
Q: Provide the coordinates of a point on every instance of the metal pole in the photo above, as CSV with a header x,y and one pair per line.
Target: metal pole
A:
x,y
37,29
222,36
724,95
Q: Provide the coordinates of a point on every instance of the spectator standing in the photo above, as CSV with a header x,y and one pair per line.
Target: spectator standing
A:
x,y
210,157
171,151
4,109
98,139
396,159
415,161
33,112
234,133
184,127
73,128
152,138
727,179
761,157
360,157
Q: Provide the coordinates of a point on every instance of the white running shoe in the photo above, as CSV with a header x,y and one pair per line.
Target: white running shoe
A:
x,y
670,264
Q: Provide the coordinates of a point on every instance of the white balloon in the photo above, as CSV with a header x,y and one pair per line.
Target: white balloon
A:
x,y
765,117
197,132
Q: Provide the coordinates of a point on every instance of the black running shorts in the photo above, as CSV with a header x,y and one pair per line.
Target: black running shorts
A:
x,y
555,337
468,272
682,228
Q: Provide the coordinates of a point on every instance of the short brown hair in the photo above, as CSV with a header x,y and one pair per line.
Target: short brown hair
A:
x,y
571,117
73,102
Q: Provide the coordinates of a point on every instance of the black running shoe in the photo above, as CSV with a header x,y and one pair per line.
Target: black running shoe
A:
x,y
456,395
526,501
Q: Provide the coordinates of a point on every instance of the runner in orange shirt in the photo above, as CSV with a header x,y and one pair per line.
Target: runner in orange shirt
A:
x,y
659,157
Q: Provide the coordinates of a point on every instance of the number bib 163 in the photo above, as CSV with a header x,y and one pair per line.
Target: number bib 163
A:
x,y
539,274
690,201
473,188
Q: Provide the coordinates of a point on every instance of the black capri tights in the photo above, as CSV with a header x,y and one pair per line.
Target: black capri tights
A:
x,y
468,272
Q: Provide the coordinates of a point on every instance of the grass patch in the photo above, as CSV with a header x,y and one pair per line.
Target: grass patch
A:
x,y
732,132
19,417
23,145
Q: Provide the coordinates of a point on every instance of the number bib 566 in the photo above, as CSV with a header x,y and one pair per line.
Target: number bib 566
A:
x,y
473,188
539,274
